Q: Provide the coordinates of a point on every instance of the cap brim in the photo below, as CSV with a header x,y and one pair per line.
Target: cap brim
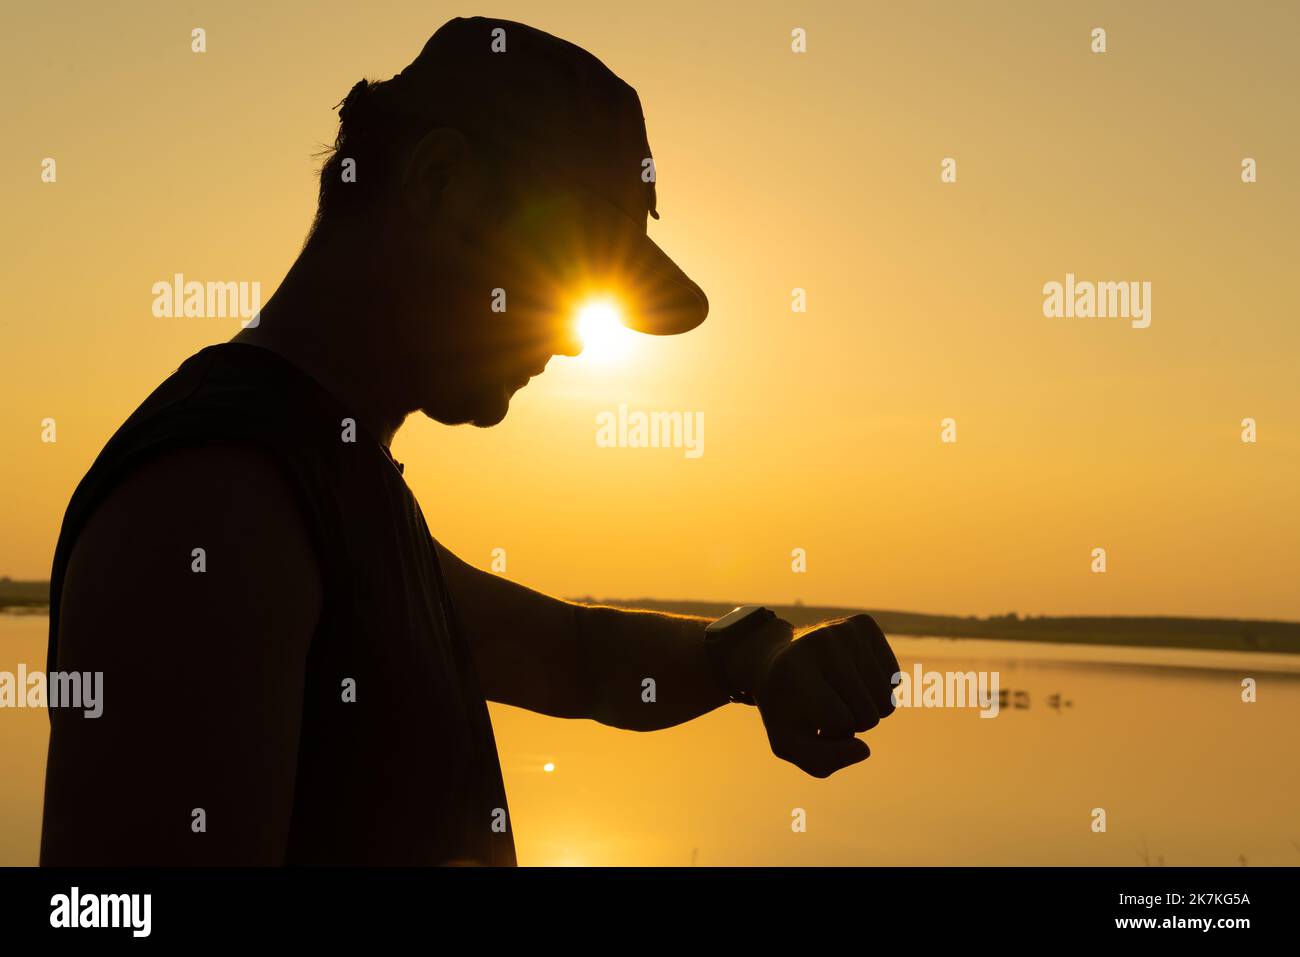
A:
x,y
662,300
580,249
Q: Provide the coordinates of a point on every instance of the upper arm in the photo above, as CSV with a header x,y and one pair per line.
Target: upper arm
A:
x,y
202,655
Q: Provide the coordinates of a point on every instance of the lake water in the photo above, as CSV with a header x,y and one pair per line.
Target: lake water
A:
x,y
1187,773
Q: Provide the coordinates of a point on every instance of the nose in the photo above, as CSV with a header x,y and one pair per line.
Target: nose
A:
x,y
568,342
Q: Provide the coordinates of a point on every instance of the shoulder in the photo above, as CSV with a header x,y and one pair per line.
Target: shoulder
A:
x,y
191,592
207,538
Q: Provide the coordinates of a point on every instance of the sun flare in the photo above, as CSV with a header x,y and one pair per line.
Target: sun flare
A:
x,y
600,326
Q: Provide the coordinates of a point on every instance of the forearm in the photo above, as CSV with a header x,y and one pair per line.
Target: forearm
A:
x,y
649,670
645,670
640,670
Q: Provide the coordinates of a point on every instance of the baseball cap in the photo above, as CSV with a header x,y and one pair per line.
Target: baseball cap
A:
x,y
555,105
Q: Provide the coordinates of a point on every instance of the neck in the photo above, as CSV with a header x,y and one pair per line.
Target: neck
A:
x,y
327,318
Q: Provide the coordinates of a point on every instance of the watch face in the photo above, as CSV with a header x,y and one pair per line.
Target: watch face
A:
x,y
733,617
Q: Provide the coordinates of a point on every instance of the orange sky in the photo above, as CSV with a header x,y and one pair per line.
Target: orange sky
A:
x,y
776,171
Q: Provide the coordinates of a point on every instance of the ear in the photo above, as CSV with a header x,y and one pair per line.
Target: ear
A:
x,y
432,163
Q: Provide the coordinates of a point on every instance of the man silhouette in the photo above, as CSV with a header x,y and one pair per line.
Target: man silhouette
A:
x,y
294,670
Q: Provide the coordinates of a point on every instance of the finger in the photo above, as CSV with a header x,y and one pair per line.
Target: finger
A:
x,y
885,661
879,644
813,703
843,673
880,685
826,711
821,756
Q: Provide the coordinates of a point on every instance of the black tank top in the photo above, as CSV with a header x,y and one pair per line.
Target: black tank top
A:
x,y
407,773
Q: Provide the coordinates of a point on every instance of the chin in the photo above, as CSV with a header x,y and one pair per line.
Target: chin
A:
x,y
484,412
494,409
486,420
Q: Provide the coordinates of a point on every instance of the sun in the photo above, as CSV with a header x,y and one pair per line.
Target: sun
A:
x,y
600,326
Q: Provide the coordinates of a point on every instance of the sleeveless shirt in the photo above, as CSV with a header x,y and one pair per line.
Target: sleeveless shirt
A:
x,y
407,773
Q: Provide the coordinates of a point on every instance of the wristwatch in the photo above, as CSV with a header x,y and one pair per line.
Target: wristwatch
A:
x,y
731,635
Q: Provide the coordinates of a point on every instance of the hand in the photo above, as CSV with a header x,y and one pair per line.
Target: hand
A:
x,y
816,692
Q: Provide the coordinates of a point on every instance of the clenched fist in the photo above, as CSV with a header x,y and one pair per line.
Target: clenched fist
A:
x,y
816,692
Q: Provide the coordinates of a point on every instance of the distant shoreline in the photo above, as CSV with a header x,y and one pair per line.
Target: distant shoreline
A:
x,y
1206,634
20,597
1209,634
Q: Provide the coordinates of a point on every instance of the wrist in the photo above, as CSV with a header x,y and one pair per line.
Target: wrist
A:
x,y
740,665
748,665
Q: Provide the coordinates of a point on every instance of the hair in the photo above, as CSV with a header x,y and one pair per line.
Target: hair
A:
x,y
374,138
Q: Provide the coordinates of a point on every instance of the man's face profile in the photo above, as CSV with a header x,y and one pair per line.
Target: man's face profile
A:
x,y
497,259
